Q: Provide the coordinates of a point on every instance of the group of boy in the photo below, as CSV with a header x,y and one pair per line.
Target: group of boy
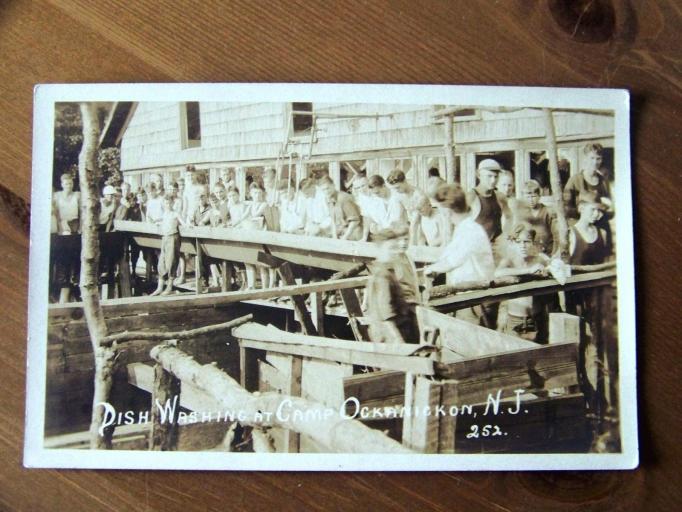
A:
x,y
496,236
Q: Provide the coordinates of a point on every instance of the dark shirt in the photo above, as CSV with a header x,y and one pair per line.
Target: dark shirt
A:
x,y
586,253
345,211
490,216
576,187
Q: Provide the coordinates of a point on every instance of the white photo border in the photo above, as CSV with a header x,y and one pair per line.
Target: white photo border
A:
x,y
45,97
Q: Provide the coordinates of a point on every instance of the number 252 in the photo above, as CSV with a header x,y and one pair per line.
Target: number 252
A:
x,y
486,431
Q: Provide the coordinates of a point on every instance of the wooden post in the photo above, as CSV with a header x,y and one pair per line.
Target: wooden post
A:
x,y
148,258
317,308
450,167
564,328
164,435
555,181
225,276
248,367
447,425
421,434
197,266
292,440
124,270
408,404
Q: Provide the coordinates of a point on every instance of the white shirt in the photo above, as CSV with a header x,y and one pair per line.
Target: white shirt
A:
x,y
154,209
385,212
468,258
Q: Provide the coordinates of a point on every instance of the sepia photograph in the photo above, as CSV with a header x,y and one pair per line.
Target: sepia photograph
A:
x,y
331,277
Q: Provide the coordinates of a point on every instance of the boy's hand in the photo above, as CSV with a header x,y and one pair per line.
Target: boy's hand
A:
x,y
537,269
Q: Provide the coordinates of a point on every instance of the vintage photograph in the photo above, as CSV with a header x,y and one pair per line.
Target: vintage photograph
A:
x,y
427,271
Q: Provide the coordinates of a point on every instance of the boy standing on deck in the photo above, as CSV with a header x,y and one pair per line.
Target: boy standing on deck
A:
x,y
170,246
393,292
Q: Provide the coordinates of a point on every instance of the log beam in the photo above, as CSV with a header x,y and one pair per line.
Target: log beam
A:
x,y
324,425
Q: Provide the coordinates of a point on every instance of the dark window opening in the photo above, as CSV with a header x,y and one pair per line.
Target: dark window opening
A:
x,y
302,122
539,171
193,115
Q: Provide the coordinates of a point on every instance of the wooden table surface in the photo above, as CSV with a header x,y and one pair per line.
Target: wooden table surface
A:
x,y
633,44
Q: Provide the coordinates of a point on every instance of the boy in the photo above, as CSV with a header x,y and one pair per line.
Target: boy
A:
x,y
66,207
410,197
384,211
540,218
468,258
527,317
393,292
170,246
345,213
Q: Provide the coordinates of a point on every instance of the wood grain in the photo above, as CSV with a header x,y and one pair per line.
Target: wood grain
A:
x,y
612,43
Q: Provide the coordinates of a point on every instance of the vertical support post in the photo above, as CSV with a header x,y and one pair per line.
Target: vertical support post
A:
x,y
335,174
292,440
422,430
225,276
598,339
564,328
248,368
148,258
408,404
447,428
124,270
450,171
520,173
317,308
555,181
197,267
164,435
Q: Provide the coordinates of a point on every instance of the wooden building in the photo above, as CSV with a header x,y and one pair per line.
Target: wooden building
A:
x,y
164,137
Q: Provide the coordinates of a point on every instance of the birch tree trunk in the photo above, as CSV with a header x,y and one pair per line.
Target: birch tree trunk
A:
x,y
555,182
89,279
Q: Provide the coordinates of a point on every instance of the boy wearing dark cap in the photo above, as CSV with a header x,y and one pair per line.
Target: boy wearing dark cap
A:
x,y
393,292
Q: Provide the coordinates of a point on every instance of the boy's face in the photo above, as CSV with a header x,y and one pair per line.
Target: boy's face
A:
x,y
214,202
524,244
505,185
142,198
329,191
590,212
593,161
400,187
257,195
67,185
221,193
167,204
487,179
107,198
533,198
233,197
381,192
425,209
153,193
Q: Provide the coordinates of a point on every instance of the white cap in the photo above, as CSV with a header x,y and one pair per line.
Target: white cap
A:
x,y
489,165
108,191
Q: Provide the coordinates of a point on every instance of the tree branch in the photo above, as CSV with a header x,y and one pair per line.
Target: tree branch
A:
x,y
177,335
